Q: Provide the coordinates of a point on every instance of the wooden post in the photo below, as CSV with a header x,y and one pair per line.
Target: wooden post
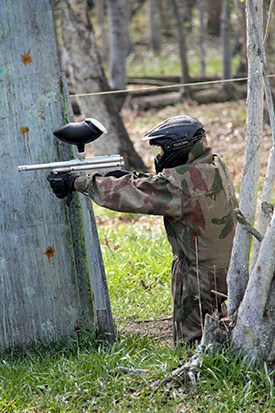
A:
x,y
52,279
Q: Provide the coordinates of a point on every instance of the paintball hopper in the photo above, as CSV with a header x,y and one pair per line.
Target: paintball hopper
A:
x,y
80,133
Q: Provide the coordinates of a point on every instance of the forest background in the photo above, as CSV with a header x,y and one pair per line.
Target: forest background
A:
x,y
152,67
83,375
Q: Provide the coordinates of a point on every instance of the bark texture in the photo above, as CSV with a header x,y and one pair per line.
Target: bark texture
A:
x,y
154,25
226,46
253,298
255,327
201,45
268,188
45,290
118,50
239,267
185,77
214,12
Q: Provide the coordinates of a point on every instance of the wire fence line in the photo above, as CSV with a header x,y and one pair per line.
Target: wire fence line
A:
x,y
152,88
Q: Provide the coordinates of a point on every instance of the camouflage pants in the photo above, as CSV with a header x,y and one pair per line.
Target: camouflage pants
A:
x,y
187,320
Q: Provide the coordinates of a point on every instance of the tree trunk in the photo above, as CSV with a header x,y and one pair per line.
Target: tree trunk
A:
x,y
118,50
240,47
182,46
239,266
251,299
102,29
201,6
45,288
268,187
226,46
188,6
88,78
254,304
166,17
214,13
265,212
255,327
154,23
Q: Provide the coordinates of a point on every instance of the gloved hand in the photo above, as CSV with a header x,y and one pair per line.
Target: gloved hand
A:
x,y
62,184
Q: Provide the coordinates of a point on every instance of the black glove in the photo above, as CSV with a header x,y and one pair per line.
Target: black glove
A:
x,y
62,184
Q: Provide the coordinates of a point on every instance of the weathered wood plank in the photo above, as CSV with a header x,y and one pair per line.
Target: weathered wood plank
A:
x,y
45,289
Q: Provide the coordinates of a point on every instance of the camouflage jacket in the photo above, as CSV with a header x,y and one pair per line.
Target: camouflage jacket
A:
x,y
197,201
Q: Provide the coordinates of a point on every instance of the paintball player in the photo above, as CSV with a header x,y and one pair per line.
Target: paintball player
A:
x,y
193,190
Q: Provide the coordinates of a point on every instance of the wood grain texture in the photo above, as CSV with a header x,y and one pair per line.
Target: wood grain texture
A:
x,y
43,296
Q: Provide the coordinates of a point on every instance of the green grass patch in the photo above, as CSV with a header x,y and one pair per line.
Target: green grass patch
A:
x,y
167,63
137,259
235,386
80,374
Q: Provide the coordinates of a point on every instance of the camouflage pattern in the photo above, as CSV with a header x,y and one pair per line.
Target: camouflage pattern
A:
x,y
197,201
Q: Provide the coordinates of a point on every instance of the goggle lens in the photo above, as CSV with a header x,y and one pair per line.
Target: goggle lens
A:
x,y
156,150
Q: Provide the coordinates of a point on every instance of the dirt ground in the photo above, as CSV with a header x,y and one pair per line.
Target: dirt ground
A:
x,y
225,125
159,330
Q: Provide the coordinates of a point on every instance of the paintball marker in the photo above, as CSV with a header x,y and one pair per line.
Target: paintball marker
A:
x,y
79,134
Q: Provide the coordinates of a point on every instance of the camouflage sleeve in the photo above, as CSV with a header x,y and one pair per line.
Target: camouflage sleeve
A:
x,y
143,193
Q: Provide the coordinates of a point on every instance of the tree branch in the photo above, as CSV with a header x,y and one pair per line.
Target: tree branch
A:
x,y
267,29
247,226
270,174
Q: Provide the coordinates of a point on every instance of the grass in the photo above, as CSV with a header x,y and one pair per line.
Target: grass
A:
x,y
79,375
143,62
133,249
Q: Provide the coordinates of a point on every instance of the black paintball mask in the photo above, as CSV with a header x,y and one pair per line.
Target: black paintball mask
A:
x,y
173,139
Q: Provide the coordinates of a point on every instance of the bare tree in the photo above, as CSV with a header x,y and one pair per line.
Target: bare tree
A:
x,y
265,212
202,8
154,25
99,10
252,298
182,45
213,21
225,39
166,16
118,46
239,268
254,333
240,43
